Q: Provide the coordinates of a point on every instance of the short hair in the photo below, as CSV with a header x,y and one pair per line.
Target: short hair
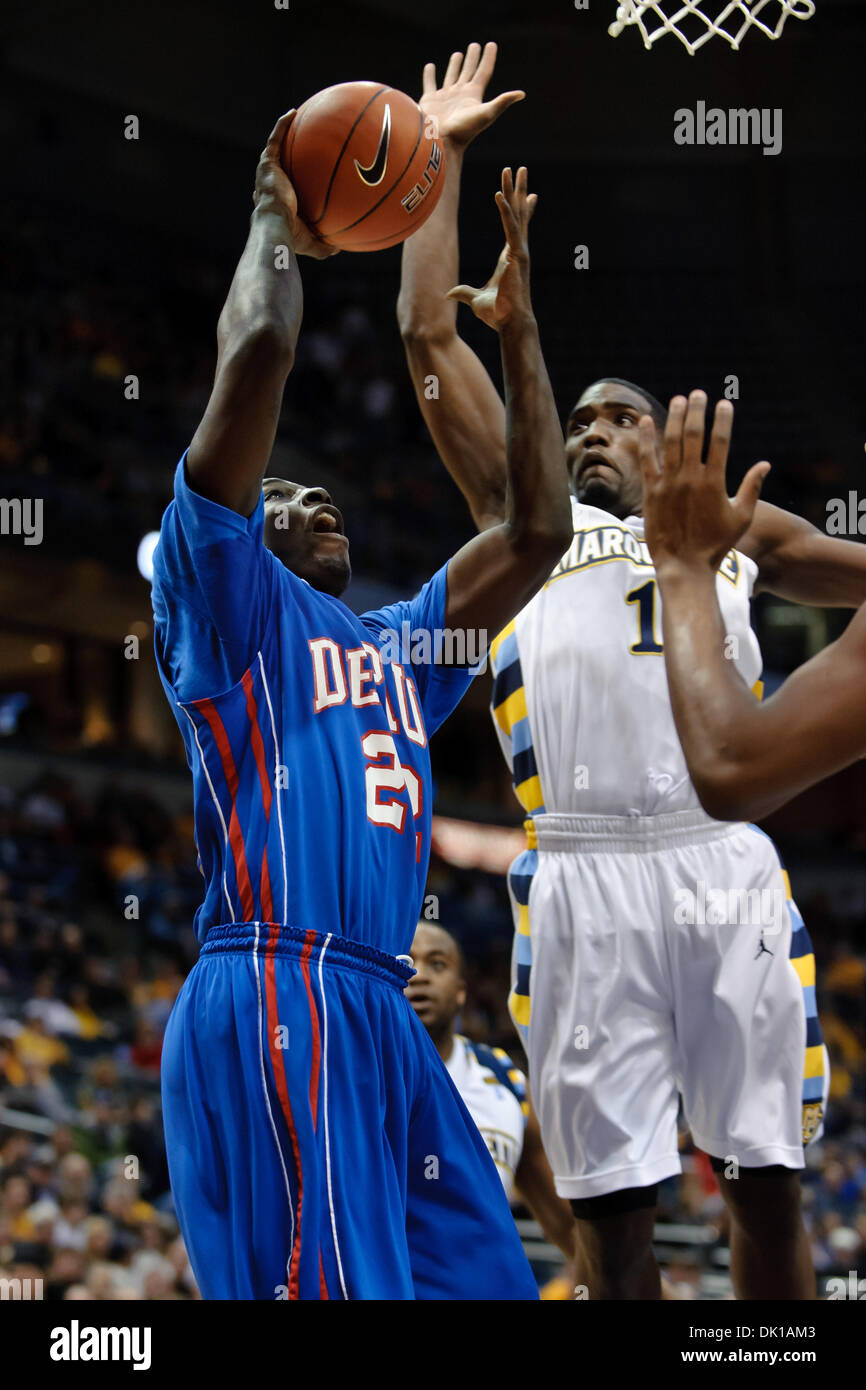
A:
x,y
461,955
657,410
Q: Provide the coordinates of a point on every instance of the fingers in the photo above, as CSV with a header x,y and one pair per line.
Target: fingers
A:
x,y
693,432
647,452
319,250
453,69
749,492
684,436
428,80
470,63
476,66
306,242
497,105
464,294
672,446
720,440
274,146
521,198
272,154
516,206
510,225
485,67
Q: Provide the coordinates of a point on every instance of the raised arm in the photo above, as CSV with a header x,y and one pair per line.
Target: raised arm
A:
x,y
256,338
498,572
798,562
465,414
745,759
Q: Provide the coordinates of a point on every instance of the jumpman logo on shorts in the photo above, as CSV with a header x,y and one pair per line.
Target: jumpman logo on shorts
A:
x,y
762,949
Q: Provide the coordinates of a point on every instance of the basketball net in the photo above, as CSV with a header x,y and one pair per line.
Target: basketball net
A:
x,y
722,19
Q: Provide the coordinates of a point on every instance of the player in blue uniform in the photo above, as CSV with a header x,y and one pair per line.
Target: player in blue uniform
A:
x,y
316,1146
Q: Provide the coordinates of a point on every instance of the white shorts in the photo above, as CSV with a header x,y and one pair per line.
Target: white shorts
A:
x,y
656,958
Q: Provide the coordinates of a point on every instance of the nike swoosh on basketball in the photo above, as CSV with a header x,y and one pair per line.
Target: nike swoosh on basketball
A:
x,y
375,172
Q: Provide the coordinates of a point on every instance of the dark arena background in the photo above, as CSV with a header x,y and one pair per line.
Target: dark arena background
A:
x,y
703,264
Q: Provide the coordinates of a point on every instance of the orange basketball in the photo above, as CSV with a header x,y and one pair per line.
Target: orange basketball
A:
x,y
364,164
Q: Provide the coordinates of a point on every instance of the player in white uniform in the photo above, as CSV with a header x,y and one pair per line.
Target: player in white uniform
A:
x,y
659,941
658,948
491,1087
494,1092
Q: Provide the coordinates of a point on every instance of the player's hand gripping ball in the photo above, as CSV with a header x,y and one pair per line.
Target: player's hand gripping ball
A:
x,y
366,164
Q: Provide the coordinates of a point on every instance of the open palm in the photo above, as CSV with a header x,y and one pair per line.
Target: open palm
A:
x,y
506,295
458,106
689,516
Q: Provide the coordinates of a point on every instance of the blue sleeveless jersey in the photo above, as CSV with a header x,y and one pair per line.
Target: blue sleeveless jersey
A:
x,y
306,730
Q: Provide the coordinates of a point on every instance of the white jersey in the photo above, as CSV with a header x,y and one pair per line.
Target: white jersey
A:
x,y
580,694
630,997
494,1093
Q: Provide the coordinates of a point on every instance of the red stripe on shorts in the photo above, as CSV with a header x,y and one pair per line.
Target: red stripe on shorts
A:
x,y
314,1022
278,1062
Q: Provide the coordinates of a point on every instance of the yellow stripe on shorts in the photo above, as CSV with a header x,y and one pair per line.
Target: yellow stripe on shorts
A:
x,y
499,639
529,793
805,968
512,709
518,1007
814,1065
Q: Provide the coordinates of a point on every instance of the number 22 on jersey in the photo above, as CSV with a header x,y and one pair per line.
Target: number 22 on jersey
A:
x,y
384,772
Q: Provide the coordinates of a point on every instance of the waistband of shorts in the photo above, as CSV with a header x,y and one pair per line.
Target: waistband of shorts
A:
x,y
625,834
275,939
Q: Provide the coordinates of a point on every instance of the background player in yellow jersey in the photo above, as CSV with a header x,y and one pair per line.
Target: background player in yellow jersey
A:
x,y
493,1090
639,993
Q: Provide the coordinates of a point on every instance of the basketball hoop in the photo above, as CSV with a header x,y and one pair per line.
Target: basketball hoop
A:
x,y
695,22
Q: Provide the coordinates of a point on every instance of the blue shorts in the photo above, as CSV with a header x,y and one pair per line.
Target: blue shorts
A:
x,y
317,1146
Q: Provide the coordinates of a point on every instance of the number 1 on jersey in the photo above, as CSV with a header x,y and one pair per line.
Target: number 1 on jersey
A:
x,y
645,598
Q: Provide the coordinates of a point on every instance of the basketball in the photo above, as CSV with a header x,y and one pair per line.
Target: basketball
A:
x,y
365,165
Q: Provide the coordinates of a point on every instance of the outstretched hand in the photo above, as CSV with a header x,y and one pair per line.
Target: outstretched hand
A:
x,y
273,189
458,106
506,298
688,515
